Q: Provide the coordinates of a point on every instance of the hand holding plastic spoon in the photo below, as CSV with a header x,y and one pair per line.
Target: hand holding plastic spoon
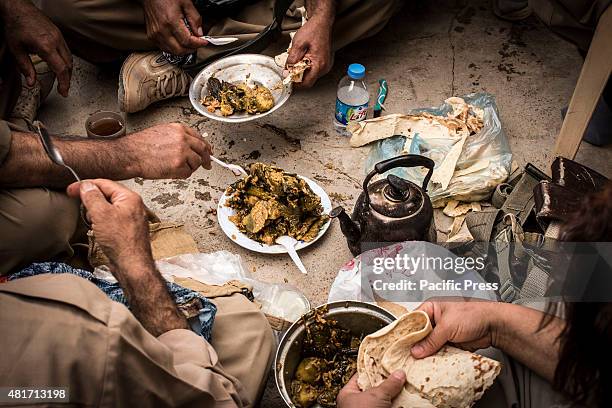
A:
x,y
237,170
219,40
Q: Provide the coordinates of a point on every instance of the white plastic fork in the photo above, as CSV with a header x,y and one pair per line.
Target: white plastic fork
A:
x,y
237,170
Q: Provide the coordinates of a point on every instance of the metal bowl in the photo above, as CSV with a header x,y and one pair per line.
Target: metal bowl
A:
x,y
259,69
358,317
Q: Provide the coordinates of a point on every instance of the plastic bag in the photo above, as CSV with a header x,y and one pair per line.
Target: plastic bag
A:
x,y
484,162
279,300
217,268
357,279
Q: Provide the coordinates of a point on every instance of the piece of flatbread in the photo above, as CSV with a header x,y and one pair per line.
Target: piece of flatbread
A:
x,y
462,121
451,378
296,71
373,346
370,130
392,307
455,208
444,172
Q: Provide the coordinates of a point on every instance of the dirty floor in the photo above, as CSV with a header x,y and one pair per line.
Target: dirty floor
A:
x,y
428,52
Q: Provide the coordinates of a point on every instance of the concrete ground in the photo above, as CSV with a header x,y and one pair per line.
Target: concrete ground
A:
x,y
428,52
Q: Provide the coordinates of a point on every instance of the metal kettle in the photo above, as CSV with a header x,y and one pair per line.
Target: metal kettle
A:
x,y
389,210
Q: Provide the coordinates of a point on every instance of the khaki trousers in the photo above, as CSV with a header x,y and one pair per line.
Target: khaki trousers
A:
x,y
36,224
120,25
574,20
244,342
61,330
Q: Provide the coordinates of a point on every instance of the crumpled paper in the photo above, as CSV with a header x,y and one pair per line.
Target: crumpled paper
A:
x,y
450,221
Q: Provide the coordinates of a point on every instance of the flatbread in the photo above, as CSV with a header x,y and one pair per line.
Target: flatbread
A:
x,y
461,122
411,400
392,307
296,71
451,378
370,130
372,348
443,174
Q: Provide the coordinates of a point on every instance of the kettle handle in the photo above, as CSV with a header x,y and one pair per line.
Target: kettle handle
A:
x,y
405,160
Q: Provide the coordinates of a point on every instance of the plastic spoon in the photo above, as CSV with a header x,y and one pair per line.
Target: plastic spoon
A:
x,y
237,170
211,39
289,244
219,40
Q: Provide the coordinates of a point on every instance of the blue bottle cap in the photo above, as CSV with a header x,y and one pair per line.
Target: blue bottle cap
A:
x,y
356,71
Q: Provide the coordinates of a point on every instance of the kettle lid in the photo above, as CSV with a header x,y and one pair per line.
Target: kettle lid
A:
x,y
395,197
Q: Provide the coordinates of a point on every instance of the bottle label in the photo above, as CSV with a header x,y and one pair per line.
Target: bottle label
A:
x,y
349,113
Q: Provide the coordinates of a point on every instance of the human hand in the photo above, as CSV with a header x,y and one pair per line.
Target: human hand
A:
x,y
119,222
376,397
28,31
169,150
470,325
166,28
313,41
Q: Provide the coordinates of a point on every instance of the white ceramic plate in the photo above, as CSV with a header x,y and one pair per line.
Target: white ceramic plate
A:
x,y
231,230
260,69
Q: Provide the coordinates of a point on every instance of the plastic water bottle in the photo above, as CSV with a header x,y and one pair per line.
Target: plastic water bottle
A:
x,y
352,98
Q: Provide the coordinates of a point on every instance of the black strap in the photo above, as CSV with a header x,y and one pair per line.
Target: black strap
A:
x,y
257,44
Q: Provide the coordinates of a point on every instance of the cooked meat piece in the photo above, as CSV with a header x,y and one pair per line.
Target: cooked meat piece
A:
x,y
270,202
230,98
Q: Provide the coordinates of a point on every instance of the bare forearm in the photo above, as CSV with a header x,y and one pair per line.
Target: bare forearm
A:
x,y
27,164
6,5
325,9
149,299
517,334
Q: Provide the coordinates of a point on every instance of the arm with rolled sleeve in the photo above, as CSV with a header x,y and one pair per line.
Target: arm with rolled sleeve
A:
x,y
153,359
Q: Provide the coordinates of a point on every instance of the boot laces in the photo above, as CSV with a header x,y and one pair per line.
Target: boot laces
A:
x,y
178,81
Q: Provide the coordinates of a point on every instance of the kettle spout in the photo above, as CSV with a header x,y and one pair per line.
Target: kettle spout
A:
x,y
349,228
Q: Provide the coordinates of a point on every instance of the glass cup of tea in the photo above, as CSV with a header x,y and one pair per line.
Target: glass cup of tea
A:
x,y
105,125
